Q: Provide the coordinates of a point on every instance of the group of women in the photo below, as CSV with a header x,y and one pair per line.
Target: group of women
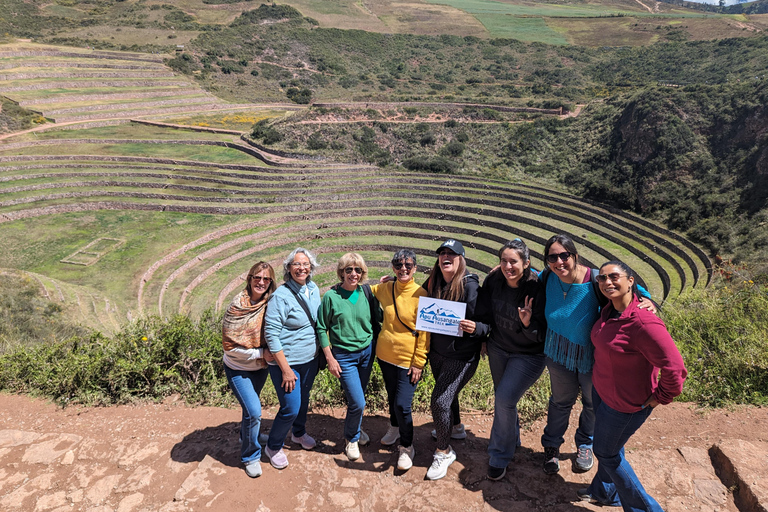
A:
x,y
594,330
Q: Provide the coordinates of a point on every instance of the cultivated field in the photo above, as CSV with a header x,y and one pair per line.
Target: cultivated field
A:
x,y
596,23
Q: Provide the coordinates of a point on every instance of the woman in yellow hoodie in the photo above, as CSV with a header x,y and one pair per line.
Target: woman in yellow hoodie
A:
x,y
401,350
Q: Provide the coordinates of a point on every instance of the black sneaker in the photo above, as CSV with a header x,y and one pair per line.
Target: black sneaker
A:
x,y
551,460
496,474
584,495
584,459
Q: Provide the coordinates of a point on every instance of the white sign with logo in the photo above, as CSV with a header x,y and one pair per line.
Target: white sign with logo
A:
x,y
440,316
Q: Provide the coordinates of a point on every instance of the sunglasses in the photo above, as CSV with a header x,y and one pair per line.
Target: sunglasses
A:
x,y
356,270
613,276
447,252
552,258
259,279
398,266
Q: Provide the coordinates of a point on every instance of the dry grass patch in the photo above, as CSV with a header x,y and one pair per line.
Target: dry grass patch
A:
x,y
130,36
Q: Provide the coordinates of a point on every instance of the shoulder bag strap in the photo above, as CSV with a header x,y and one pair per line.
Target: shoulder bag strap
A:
x,y
394,302
304,306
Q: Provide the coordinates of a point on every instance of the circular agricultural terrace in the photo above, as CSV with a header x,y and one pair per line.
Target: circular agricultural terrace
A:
x,y
330,209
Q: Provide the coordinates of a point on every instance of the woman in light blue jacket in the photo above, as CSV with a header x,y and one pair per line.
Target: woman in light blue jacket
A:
x,y
290,333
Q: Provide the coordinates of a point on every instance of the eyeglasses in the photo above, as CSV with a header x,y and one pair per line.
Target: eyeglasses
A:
x,y
447,252
259,279
356,270
613,276
552,258
399,265
298,264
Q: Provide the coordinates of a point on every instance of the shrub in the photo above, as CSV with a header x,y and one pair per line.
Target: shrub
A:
x,y
263,131
436,164
453,148
300,96
722,333
428,139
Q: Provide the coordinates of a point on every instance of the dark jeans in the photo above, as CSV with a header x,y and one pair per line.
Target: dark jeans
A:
x,y
400,392
512,375
293,405
616,482
246,385
565,385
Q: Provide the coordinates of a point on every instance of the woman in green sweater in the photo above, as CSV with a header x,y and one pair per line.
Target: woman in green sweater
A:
x,y
347,325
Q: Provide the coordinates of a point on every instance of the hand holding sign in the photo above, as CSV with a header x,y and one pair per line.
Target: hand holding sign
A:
x,y
440,316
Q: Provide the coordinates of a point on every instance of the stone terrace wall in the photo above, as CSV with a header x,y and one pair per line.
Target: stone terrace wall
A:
x,y
383,105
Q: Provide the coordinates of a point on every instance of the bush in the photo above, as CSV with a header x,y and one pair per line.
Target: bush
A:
x,y
453,148
436,164
268,134
300,96
722,333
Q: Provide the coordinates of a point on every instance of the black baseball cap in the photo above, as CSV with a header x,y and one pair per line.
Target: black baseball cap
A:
x,y
453,245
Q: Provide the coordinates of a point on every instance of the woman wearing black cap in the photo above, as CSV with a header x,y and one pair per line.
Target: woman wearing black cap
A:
x,y
453,359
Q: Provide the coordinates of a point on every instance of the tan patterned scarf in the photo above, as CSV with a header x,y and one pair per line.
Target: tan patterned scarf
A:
x,y
243,324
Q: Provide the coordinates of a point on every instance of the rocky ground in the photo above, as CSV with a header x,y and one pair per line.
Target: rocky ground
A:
x,y
171,457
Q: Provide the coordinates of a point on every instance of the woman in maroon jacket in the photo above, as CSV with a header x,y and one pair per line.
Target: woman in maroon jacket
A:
x,y
637,367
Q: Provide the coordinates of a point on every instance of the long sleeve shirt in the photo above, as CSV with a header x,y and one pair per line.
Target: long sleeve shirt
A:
x,y
396,344
635,358
286,326
496,313
344,320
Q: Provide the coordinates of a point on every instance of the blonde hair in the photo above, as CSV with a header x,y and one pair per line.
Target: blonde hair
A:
x,y
351,259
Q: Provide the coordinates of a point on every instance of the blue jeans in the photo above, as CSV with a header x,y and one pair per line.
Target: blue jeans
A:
x,y
246,385
400,392
293,405
355,373
512,375
565,390
616,482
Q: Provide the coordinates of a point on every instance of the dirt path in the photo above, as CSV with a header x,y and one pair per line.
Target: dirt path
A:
x,y
170,457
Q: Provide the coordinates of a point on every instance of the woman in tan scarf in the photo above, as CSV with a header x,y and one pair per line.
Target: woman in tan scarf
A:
x,y
245,355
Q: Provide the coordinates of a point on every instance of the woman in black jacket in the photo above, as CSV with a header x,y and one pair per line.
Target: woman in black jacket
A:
x,y
453,359
511,308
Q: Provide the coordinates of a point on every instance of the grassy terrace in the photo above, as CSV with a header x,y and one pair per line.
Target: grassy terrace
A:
x,y
483,213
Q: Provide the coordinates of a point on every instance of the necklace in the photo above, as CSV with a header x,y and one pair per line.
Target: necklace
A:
x,y
565,291
570,285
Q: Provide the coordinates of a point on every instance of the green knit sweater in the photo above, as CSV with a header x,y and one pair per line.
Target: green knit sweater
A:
x,y
344,320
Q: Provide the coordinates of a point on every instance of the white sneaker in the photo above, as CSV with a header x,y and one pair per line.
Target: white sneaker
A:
x,y
364,439
405,460
457,432
440,463
253,469
391,437
305,441
352,450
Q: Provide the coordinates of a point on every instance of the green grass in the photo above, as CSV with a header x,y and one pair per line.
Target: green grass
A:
x,y
129,131
176,151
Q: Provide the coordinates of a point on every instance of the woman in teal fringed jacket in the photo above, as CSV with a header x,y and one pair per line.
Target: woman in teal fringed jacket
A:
x,y
572,307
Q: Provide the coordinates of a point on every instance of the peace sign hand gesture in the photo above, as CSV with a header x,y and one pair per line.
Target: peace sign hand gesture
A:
x,y
526,312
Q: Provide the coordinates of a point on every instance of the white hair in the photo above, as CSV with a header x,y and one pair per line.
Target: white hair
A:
x,y
288,260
